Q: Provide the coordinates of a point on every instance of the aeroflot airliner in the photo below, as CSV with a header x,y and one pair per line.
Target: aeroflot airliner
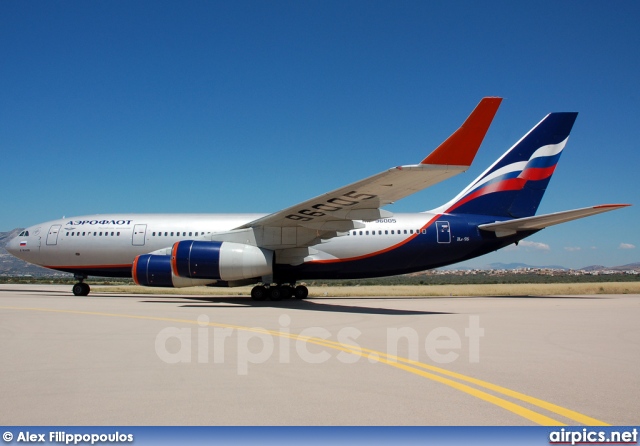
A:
x,y
344,233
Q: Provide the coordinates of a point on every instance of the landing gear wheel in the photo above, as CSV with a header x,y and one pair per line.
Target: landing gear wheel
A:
x,y
301,292
81,289
259,293
286,291
275,293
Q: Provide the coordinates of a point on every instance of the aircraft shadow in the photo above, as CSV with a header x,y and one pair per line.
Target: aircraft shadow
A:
x,y
306,305
569,296
27,290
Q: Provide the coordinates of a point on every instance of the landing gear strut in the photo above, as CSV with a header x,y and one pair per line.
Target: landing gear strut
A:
x,y
81,288
279,292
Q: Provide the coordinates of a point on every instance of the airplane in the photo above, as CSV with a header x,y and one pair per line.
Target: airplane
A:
x,y
342,234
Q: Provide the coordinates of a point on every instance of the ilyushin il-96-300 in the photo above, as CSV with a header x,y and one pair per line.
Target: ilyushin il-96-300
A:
x,y
345,233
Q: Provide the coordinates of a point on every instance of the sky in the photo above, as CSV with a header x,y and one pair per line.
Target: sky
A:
x,y
253,106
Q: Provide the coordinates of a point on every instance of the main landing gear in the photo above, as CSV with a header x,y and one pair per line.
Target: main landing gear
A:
x,y
81,288
279,292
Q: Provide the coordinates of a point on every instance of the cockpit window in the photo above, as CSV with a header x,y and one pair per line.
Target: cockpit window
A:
x,y
24,234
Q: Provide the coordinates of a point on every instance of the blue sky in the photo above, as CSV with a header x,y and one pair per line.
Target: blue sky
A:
x,y
203,106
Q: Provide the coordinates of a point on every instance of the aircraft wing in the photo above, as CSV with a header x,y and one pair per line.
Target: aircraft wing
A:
x,y
537,222
326,215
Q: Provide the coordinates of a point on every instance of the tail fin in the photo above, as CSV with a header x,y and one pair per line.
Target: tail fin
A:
x,y
514,185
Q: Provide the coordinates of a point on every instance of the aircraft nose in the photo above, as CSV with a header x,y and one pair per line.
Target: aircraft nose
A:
x,y
13,246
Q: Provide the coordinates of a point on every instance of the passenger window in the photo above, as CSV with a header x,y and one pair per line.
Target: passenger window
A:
x,y
112,234
189,234
118,234
360,232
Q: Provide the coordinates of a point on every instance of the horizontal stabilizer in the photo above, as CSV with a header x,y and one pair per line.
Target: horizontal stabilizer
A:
x,y
510,227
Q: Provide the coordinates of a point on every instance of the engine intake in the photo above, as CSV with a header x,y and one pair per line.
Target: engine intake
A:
x,y
155,270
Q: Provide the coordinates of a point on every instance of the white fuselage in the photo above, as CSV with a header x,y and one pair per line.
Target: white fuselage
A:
x,y
114,240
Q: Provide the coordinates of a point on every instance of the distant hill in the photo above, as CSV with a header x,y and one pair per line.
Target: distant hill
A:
x,y
594,268
521,265
505,266
627,267
512,266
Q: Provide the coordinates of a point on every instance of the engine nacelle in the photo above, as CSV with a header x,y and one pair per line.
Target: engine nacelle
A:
x,y
155,270
220,260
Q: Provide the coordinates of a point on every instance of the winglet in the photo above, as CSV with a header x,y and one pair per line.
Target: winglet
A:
x,y
461,147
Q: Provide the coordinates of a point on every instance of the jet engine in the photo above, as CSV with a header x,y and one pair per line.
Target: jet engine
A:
x,y
194,263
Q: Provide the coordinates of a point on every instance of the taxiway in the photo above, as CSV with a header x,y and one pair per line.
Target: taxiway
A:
x,y
114,359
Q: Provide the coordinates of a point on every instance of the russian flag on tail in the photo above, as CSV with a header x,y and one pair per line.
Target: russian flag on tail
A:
x,y
513,186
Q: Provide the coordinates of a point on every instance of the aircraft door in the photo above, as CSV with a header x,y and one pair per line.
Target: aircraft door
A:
x,y
443,229
52,236
139,232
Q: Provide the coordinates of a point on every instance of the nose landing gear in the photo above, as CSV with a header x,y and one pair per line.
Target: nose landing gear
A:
x,y
81,288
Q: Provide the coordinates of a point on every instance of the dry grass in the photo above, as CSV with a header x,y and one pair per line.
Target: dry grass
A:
x,y
538,289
